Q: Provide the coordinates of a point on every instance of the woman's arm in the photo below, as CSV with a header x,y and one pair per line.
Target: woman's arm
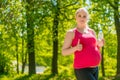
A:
x,y
67,49
99,43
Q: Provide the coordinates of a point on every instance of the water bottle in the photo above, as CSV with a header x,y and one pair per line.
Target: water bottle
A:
x,y
100,35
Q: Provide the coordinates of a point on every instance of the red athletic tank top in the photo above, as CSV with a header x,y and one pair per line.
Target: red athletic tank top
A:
x,y
89,55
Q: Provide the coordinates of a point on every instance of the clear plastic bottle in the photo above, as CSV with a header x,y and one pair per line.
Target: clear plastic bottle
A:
x,y
100,35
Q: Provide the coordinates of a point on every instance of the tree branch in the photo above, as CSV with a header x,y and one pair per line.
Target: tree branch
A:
x,y
111,4
69,5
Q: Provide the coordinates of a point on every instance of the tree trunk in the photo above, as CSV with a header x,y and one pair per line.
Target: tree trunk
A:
x,y
30,36
117,25
55,41
22,54
55,46
17,56
24,57
102,63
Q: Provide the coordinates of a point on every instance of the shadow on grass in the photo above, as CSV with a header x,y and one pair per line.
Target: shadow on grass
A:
x,y
35,77
117,78
25,77
109,78
46,77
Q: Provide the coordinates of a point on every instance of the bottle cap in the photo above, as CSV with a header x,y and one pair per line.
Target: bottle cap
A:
x,y
100,29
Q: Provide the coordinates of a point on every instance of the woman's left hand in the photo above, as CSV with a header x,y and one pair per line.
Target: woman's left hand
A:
x,y
100,43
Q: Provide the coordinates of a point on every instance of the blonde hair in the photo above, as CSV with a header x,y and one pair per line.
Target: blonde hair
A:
x,y
84,9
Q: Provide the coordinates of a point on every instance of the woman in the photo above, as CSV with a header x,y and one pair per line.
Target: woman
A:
x,y
83,43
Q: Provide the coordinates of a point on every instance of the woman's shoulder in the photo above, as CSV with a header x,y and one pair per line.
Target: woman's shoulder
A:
x,y
71,32
92,31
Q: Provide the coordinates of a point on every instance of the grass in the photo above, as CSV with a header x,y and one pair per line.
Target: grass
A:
x,y
65,73
47,76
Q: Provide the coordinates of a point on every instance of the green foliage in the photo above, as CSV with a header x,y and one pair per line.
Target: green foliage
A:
x,y
6,66
44,59
13,27
4,77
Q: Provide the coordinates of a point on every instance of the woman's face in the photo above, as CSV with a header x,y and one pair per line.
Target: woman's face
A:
x,y
81,17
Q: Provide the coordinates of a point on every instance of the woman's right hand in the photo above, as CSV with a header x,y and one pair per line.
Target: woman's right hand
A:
x,y
79,46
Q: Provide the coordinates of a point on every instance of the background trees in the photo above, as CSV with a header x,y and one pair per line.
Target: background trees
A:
x,y
32,32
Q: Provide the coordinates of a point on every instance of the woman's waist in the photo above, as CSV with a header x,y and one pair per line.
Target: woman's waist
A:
x,y
87,59
86,63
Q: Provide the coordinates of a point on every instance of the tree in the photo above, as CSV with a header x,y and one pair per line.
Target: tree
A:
x,y
30,35
56,19
55,36
115,5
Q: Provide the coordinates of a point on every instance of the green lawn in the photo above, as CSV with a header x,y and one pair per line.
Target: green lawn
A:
x,y
47,77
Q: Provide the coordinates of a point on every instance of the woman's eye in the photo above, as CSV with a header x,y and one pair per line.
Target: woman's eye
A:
x,y
84,16
79,15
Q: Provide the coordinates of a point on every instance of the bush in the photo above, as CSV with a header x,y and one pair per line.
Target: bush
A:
x,y
5,64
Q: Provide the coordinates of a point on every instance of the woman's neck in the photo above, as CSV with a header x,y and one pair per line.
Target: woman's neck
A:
x,y
82,29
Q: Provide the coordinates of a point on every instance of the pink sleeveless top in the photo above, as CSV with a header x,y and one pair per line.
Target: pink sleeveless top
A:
x,y
89,55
